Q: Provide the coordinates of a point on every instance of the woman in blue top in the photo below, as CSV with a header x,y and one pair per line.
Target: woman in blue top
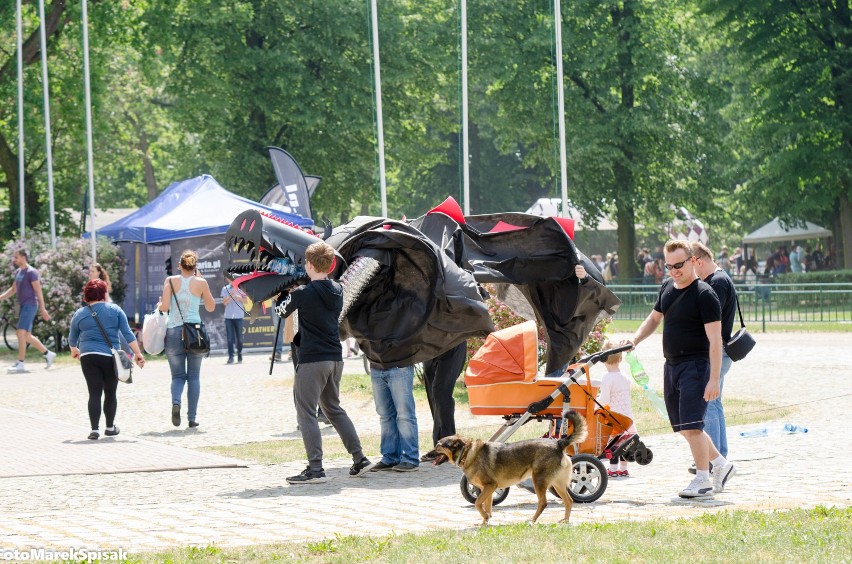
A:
x,y
95,354
189,290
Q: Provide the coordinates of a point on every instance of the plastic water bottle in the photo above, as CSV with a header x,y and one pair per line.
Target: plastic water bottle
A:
x,y
656,401
791,428
283,266
760,432
637,370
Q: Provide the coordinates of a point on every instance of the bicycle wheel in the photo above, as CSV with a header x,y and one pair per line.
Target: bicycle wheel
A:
x,y
10,336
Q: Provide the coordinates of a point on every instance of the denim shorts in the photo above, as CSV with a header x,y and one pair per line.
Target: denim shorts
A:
x,y
28,313
683,385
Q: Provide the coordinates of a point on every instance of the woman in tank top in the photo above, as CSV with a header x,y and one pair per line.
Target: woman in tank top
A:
x,y
189,291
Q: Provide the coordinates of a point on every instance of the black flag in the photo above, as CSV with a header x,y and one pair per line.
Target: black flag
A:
x,y
291,193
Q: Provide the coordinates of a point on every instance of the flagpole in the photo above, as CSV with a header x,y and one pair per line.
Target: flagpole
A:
x,y
90,168
563,165
465,129
47,148
21,169
379,123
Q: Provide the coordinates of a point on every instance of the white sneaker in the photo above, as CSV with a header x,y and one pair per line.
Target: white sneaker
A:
x,y
722,475
49,357
18,367
698,488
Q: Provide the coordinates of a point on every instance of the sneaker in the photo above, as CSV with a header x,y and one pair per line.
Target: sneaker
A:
x,y
361,467
721,477
193,424
230,360
18,367
612,473
114,432
308,476
276,357
405,467
94,435
239,358
691,469
698,488
176,415
623,474
49,357
382,466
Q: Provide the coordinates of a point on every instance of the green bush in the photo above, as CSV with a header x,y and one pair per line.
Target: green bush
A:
x,y
63,272
816,277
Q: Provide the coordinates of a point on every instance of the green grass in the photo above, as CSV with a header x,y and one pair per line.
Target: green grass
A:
x,y
648,421
816,535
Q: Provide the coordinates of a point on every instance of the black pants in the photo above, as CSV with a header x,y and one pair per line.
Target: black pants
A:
x,y
99,372
440,375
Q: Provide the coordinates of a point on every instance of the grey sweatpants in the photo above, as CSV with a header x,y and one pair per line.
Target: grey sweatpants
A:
x,y
319,383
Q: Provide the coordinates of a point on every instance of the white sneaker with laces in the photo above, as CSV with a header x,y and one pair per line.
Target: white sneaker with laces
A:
x,y
49,357
698,488
722,475
17,367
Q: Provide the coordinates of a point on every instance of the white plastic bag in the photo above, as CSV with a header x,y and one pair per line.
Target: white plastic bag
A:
x,y
154,332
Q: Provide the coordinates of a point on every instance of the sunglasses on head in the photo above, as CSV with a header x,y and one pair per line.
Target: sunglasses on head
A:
x,y
677,265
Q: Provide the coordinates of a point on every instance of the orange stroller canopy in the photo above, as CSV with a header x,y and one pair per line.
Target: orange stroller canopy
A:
x,y
508,355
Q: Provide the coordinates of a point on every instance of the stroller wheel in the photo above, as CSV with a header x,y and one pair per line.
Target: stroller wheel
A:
x,y
588,478
643,455
471,492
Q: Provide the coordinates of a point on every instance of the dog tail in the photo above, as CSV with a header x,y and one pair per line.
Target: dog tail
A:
x,y
579,433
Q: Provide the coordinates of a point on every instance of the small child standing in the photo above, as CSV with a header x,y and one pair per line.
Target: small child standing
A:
x,y
615,394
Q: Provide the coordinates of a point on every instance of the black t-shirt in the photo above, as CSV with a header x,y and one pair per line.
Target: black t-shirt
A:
x,y
724,288
684,337
319,303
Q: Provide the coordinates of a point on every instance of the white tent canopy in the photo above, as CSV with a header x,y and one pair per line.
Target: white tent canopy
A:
x,y
774,232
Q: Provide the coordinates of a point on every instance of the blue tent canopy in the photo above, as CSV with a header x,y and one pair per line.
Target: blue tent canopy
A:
x,y
191,208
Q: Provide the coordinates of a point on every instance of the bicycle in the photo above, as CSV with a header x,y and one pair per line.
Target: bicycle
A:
x,y
10,335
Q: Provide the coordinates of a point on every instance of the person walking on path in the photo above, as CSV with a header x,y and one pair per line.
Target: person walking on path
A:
x,y
182,297
27,287
692,345
234,300
320,365
718,279
88,344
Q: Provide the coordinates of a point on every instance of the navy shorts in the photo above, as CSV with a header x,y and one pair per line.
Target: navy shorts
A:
x,y
27,316
683,387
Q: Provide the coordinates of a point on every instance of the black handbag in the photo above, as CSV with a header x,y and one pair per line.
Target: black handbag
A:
x,y
194,335
741,342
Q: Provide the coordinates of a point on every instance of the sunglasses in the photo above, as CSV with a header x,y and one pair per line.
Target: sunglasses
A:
x,y
677,265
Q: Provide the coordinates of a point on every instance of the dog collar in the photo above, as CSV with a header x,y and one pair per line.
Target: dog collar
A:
x,y
463,456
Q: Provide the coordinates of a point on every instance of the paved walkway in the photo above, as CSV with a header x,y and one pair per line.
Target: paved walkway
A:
x,y
62,491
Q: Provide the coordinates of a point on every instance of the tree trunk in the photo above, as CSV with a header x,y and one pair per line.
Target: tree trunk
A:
x,y
625,216
844,241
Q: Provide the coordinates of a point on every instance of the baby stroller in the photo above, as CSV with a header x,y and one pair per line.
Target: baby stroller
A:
x,y
502,379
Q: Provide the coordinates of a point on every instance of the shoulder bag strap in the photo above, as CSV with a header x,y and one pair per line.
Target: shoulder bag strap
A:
x,y
674,303
177,303
736,297
101,327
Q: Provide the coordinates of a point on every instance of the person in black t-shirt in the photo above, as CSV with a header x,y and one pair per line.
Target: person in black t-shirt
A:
x,y
692,345
320,365
713,274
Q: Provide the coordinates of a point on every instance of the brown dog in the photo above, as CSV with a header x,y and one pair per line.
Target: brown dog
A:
x,y
490,466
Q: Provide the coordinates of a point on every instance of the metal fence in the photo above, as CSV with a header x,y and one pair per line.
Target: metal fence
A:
x,y
760,302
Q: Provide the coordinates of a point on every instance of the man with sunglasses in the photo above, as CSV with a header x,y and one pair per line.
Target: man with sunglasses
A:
x,y
692,345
